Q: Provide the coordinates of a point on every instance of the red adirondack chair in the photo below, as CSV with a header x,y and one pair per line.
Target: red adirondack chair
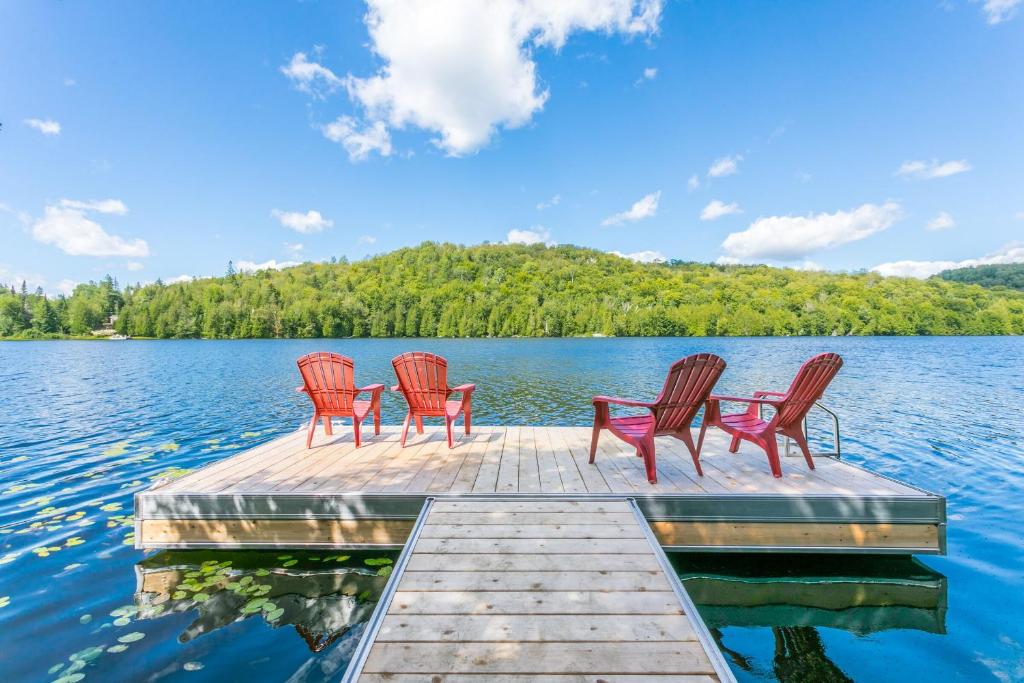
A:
x,y
686,389
423,381
329,381
790,407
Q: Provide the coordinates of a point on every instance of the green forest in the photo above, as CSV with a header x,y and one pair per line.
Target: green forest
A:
x,y
1009,275
491,290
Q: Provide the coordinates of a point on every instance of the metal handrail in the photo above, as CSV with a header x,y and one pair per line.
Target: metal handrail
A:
x,y
837,453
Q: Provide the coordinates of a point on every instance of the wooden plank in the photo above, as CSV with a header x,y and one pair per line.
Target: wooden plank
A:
x,y
535,628
508,468
533,602
275,532
576,457
538,658
490,506
534,581
531,678
470,530
475,446
408,461
547,464
487,476
428,562
533,546
797,534
501,517
353,474
232,468
474,462
529,472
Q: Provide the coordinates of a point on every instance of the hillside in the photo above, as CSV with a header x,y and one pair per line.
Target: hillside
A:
x,y
444,290
1010,275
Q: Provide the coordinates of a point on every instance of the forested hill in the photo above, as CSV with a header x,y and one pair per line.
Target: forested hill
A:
x,y
1003,275
444,290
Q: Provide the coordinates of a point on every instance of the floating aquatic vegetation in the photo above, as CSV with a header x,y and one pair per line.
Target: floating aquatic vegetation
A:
x,y
378,561
19,487
169,447
46,552
131,637
110,507
170,473
192,666
9,557
250,435
5,600
117,648
73,541
19,458
119,448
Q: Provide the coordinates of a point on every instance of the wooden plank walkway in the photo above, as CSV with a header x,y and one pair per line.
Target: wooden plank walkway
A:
x,y
554,589
281,494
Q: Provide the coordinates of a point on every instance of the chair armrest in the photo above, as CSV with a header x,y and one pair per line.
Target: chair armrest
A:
x,y
762,394
737,399
301,390
396,388
375,388
622,401
464,388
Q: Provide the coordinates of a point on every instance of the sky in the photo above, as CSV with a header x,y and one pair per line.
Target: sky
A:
x,y
163,139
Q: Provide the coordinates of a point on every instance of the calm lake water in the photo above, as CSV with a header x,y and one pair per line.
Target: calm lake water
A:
x,y
84,425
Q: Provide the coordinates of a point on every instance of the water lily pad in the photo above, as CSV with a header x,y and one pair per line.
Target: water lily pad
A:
x,y
70,678
385,571
131,637
5,600
55,668
117,648
192,666
169,447
290,563
274,615
86,655
201,597
84,619
378,561
73,541
122,621
178,595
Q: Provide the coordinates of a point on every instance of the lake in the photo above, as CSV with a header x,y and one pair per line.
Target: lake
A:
x,y
87,424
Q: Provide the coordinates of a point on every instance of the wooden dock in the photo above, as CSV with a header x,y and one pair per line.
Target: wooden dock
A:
x,y
527,590
280,494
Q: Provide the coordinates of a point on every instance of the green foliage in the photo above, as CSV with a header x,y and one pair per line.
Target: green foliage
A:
x,y
1009,275
444,290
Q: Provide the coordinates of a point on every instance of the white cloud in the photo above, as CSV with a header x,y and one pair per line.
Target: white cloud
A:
x,y
793,237
1012,253
134,265
310,77
941,222
359,143
554,201
67,227
44,126
294,247
366,239
538,234
725,166
272,264
649,74
693,183
643,208
717,209
114,206
643,256
180,278
932,169
66,287
306,223
464,69
998,11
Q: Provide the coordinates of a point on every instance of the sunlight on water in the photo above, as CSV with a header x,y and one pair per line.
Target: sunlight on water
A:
x,y
87,424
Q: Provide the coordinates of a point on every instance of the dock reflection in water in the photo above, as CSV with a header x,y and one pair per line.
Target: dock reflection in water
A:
x,y
325,597
742,597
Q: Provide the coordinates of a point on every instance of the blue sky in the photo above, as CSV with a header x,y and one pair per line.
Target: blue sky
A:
x,y
161,139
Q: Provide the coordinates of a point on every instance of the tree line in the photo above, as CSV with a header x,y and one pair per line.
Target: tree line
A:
x,y
490,290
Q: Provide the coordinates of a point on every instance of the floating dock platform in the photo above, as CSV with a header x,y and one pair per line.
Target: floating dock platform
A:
x,y
281,494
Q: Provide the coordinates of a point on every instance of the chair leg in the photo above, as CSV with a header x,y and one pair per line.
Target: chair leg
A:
x,y
355,429
448,424
801,441
772,450
419,424
467,418
687,439
328,429
376,418
405,428
312,428
593,440
647,450
734,445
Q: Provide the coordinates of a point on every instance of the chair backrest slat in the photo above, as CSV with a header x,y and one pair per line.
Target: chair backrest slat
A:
x,y
809,384
329,379
423,380
687,387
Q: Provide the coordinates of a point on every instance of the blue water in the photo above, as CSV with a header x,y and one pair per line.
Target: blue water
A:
x,y
84,425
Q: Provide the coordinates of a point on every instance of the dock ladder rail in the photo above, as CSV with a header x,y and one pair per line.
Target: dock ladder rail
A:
x,y
837,453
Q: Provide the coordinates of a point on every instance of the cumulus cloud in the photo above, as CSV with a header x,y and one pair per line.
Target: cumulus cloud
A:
x,y
941,222
67,227
642,208
44,126
359,142
251,267
554,201
306,223
310,77
793,237
464,69
649,74
717,209
643,256
725,166
925,170
1012,253
693,183
66,287
998,11
538,234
